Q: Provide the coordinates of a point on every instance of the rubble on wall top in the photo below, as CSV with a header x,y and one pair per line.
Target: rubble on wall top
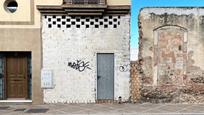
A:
x,y
173,10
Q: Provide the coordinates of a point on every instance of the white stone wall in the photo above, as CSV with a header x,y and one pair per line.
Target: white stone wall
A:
x,y
63,44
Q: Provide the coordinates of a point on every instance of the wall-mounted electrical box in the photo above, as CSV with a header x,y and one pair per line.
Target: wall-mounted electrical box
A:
x,y
46,79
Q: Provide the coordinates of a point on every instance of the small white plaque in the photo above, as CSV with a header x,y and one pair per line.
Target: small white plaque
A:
x,y
46,79
179,63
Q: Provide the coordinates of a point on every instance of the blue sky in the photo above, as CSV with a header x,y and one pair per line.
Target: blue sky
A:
x,y
137,4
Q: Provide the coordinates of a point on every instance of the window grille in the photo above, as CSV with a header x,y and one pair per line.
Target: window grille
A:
x,y
84,1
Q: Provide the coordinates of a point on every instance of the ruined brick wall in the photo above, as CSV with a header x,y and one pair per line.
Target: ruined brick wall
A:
x,y
171,57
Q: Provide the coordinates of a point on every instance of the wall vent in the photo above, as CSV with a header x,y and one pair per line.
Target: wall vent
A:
x,y
82,22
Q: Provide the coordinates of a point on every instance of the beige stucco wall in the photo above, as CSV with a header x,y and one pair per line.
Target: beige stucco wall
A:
x,y
118,2
24,12
25,40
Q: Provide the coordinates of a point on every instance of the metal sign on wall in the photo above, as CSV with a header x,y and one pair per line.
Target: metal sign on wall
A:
x,y
46,78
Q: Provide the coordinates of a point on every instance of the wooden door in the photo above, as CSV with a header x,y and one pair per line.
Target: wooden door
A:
x,y
16,77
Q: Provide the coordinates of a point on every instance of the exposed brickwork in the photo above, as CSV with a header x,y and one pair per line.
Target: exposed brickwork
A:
x,y
135,83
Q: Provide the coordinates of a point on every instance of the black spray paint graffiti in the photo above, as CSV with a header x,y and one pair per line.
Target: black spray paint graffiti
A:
x,y
79,65
124,68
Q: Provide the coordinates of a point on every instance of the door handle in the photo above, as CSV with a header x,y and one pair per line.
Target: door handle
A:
x,y
98,77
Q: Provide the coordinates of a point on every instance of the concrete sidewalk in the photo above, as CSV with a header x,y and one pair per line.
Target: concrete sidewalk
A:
x,y
103,109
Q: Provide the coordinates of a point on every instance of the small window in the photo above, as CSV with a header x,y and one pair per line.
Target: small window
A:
x,y
87,26
87,20
58,25
78,26
49,25
101,23
115,20
58,19
68,26
11,6
78,20
73,23
110,23
63,17
96,26
114,26
49,19
96,20
68,20
63,22
92,23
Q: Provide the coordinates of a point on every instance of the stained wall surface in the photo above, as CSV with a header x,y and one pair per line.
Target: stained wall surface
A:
x,y
71,41
171,54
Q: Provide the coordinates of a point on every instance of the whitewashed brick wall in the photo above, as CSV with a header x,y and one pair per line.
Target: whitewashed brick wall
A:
x,y
63,44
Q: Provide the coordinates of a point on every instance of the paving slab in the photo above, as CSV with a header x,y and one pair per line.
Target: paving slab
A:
x,y
105,109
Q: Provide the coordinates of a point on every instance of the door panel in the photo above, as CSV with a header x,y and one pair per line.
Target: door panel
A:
x,y
16,69
105,76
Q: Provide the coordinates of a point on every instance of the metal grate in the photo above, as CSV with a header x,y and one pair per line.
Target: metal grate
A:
x,y
23,109
41,110
4,108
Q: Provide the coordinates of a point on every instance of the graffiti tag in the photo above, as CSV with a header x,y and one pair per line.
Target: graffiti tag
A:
x,y
79,65
124,68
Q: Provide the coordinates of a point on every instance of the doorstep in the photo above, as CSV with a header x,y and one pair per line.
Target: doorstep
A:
x,y
15,102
